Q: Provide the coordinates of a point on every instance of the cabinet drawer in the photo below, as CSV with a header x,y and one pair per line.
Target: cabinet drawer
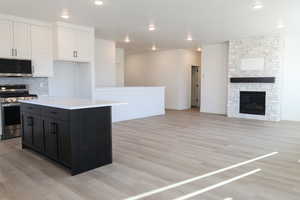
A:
x,y
56,113
31,108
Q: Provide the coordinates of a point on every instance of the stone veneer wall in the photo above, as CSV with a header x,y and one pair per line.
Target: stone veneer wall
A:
x,y
269,48
37,86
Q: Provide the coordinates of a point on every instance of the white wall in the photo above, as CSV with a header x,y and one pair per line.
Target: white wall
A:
x,y
105,67
214,81
141,101
171,69
120,64
291,81
71,80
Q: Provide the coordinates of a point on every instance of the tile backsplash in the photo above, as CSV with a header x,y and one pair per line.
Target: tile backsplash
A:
x,y
37,86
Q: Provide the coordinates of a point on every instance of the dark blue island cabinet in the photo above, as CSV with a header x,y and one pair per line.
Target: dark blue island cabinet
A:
x,y
79,139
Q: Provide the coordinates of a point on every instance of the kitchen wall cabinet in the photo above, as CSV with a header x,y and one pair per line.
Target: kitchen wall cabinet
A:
x,y
6,39
73,43
15,40
21,35
42,51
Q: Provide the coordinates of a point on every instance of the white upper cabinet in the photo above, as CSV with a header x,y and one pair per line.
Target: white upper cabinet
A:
x,y
73,43
6,39
15,40
84,45
21,36
41,50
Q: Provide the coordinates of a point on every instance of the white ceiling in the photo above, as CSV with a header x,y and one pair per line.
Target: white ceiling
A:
x,y
208,21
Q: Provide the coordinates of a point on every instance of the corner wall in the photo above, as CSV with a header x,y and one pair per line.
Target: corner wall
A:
x,y
171,68
214,78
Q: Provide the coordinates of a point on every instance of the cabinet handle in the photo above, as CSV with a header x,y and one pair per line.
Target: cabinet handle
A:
x,y
30,121
54,128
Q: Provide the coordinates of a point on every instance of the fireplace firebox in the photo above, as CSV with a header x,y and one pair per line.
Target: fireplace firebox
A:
x,y
253,102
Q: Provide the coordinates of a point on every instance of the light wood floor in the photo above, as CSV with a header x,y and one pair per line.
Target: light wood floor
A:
x,y
155,152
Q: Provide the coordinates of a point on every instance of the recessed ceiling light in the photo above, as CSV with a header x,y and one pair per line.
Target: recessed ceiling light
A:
x,y
199,49
98,3
152,27
257,5
228,198
280,25
154,48
65,14
127,39
189,38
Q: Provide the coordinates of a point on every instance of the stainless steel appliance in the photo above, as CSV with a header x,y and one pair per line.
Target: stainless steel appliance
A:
x,y
15,68
10,109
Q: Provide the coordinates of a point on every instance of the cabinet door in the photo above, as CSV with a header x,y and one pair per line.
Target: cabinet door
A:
x,y
38,133
84,46
6,39
41,50
27,123
64,143
66,44
22,40
51,139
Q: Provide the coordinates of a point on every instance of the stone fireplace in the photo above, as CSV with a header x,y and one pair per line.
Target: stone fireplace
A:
x,y
254,78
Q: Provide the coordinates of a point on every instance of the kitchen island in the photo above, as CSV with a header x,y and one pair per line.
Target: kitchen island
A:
x,y
73,132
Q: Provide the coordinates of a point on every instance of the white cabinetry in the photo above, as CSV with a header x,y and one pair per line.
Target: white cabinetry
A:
x,y
21,36
41,50
6,39
73,43
15,40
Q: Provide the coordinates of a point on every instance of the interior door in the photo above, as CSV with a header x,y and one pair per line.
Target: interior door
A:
x,y
22,40
6,39
41,45
195,86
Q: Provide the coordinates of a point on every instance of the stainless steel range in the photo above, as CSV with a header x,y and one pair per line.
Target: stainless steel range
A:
x,y
10,109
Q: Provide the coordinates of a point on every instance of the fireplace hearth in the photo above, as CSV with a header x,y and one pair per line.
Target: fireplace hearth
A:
x,y
253,102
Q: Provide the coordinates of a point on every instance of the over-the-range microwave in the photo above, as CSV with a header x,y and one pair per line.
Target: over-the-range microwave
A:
x,y
15,67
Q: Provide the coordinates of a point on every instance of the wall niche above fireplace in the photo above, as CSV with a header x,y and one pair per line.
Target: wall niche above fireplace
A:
x,y
252,102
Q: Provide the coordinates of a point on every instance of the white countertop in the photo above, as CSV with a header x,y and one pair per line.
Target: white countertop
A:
x,y
71,103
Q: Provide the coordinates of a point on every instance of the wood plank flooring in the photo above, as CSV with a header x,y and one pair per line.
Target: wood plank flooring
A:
x,y
155,152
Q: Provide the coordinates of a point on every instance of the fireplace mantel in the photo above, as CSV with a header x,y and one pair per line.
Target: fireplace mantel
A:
x,y
252,80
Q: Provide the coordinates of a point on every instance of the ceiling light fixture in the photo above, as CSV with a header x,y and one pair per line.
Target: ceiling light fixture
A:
x,y
199,49
189,38
280,25
127,39
257,5
98,3
152,27
154,48
65,14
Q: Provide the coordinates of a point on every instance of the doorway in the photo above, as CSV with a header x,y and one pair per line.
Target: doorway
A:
x,y
195,86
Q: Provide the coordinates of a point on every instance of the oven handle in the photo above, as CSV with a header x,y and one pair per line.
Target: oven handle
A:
x,y
10,104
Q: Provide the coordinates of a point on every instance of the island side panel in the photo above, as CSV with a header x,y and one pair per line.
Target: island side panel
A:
x,y
91,138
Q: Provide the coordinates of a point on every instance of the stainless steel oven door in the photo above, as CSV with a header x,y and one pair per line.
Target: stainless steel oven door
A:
x,y
11,120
